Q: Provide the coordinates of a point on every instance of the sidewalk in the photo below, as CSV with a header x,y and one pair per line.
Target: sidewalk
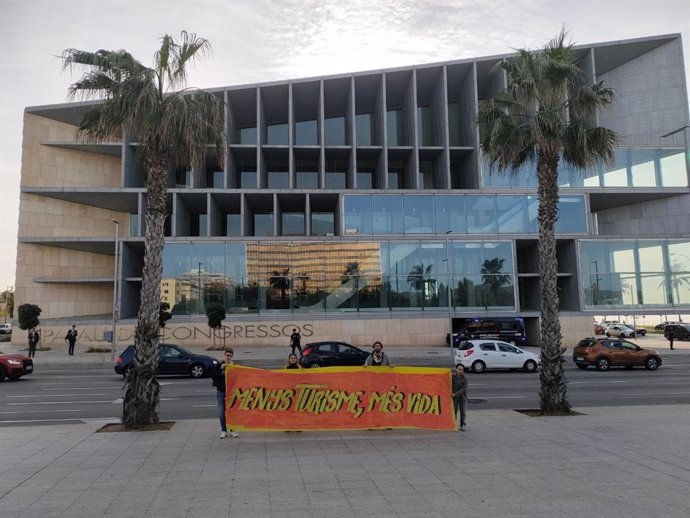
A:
x,y
611,462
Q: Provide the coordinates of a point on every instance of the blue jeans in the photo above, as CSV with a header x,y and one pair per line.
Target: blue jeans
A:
x,y
461,407
220,399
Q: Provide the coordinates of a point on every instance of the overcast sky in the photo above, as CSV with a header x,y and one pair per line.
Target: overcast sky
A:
x,y
267,40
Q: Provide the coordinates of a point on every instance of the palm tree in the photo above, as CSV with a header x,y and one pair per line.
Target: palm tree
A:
x,y
492,279
418,279
352,271
174,128
545,115
281,281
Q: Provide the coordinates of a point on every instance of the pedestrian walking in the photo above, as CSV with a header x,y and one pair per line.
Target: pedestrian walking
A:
x,y
218,379
293,362
295,341
377,358
71,339
460,395
670,335
34,338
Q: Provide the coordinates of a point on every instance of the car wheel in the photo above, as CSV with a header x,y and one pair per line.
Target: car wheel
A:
x,y
478,367
603,364
608,335
651,363
581,366
197,371
530,366
2,374
314,366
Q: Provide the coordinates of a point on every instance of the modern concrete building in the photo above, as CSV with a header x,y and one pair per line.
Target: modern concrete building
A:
x,y
358,207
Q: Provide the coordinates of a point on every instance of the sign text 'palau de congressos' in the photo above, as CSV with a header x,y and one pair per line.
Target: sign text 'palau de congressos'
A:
x,y
339,398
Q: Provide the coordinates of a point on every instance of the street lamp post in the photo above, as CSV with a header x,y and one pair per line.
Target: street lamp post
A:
x,y
201,305
448,280
116,290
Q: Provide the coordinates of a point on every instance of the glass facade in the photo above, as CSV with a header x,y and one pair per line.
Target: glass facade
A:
x,y
631,167
338,277
633,273
461,214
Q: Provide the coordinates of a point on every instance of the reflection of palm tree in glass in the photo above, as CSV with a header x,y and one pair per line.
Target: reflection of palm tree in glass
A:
x,y
493,280
352,272
281,281
419,280
678,278
303,278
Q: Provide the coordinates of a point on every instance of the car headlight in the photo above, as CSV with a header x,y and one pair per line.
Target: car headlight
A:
x,y
14,362
215,361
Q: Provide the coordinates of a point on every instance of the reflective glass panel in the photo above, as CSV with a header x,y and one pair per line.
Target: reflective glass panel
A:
x,y
293,223
481,214
363,129
307,179
248,136
322,224
358,214
616,173
334,129
672,164
653,288
335,180
278,179
277,135
233,222
263,224
248,179
387,214
572,217
306,133
449,213
365,180
643,167
512,214
395,128
418,214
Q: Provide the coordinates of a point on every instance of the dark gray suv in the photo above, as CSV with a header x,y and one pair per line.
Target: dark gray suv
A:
x,y
680,331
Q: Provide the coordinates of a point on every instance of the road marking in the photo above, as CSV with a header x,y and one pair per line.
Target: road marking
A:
x,y
58,403
42,411
498,397
202,406
54,395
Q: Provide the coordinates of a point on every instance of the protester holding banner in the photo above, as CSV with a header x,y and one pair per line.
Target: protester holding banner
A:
x,y
460,394
292,362
218,378
377,358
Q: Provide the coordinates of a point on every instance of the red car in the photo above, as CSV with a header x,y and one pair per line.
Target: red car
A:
x,y
14,366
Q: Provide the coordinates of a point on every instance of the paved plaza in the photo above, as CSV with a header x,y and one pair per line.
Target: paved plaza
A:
x,y
609,462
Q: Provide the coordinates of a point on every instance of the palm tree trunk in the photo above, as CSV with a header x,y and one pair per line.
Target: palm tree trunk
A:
x,y
553,397
142,395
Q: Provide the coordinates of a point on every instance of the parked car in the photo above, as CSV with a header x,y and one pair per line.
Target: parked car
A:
x,y
604,353
172,359
14,366
620,330
6,329
479,355
662,325
330,354
680,331
599,329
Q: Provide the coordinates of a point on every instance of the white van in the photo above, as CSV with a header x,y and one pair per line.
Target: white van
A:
x,y
5,329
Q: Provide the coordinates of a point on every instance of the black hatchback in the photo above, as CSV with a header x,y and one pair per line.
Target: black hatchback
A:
x,y
331,354
172,359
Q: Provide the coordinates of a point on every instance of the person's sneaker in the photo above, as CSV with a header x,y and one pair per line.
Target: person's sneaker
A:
x,y
463,428
223,435
234,435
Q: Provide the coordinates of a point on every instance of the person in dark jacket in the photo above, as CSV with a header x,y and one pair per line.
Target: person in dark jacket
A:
x,y
34,338
460,395
218,378
295,341
71,338
670,335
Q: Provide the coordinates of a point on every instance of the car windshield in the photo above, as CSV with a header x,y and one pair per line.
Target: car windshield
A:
x,y
464,346
176,348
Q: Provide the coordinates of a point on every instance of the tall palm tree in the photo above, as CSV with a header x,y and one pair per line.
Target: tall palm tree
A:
x,y
174,128
281,281
352,271
545,115
419,280
493,280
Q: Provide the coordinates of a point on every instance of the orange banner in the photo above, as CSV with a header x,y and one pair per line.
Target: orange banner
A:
x,y
339,398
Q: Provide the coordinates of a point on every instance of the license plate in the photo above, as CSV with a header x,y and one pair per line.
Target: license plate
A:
x,y
29,368
579,359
